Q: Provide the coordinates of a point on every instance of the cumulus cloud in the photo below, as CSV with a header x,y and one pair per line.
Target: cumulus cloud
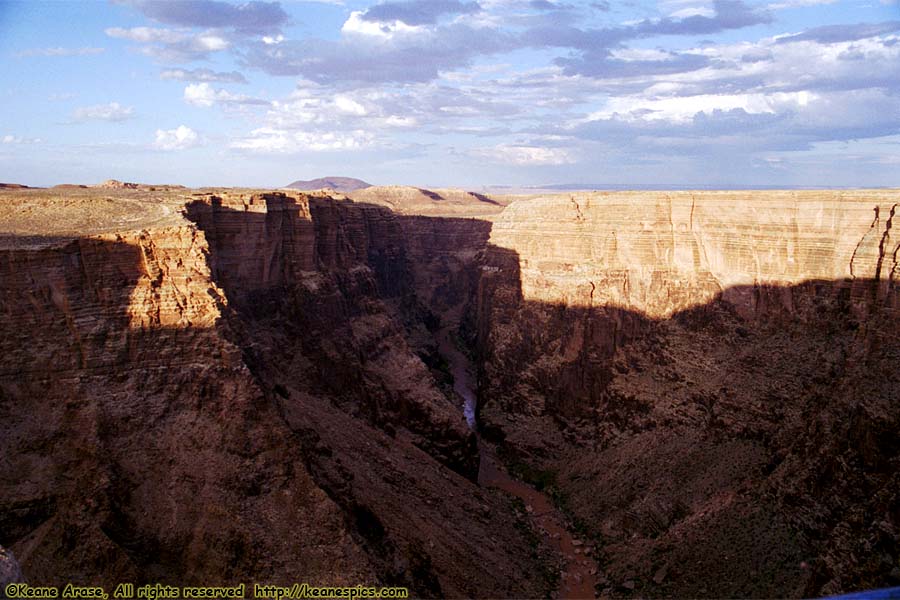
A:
x,y
349,106
202,75
195,29
727,14
828,34
406,42
180,138
684,109
373,52
204,95
200,94
526,155
249,17
419,12
675,80
172,45
112,111
274,141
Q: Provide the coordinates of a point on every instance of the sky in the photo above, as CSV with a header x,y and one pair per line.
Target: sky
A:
x,y
467,93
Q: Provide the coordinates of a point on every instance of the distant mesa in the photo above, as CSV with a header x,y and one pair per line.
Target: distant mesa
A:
x,y
338,184
117,185
13,186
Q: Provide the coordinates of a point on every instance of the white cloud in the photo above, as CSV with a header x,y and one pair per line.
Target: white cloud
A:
x,y
204,95
179,138
682,9
349,106
200,94
9,139
175,45
526,155
270,140
396,121
797,4
202,75
640,54
147,34
104,112
212,43
682,109
356,25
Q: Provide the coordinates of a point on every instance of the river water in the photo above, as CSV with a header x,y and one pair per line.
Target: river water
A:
x,y
579,570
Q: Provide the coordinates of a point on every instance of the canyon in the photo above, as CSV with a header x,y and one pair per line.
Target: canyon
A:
x,y
215,386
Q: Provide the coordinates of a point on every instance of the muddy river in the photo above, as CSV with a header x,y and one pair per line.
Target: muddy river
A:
x,y
579,570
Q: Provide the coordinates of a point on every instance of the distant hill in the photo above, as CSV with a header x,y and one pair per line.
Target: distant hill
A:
x,y
338,184
651,187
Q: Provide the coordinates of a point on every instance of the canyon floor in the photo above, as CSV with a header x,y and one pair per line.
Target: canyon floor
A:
x,y
629,394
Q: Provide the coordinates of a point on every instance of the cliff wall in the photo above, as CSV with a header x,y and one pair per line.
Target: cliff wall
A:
x,y
708,378
132,430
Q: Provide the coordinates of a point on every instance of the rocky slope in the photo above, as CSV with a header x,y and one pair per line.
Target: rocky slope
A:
x,y
10,572
708,381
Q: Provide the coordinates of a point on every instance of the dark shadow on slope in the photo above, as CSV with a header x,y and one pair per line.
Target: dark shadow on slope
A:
x,y
431,195
713,453
326,294
483,198
134,445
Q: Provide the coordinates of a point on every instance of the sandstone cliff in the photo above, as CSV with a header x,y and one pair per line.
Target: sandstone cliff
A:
x,y
132,429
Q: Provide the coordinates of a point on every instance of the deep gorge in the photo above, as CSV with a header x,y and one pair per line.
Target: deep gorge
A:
x,y
706,384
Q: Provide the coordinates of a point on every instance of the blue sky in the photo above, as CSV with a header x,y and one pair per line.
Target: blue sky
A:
x,y
452,92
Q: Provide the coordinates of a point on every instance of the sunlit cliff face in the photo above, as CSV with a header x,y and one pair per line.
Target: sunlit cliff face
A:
x,y
661,253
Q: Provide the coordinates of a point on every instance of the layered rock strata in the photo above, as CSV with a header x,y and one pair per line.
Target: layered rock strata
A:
x,y
132,429
709,378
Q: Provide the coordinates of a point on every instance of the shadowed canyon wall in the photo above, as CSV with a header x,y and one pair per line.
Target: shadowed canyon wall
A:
x,y
710,378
